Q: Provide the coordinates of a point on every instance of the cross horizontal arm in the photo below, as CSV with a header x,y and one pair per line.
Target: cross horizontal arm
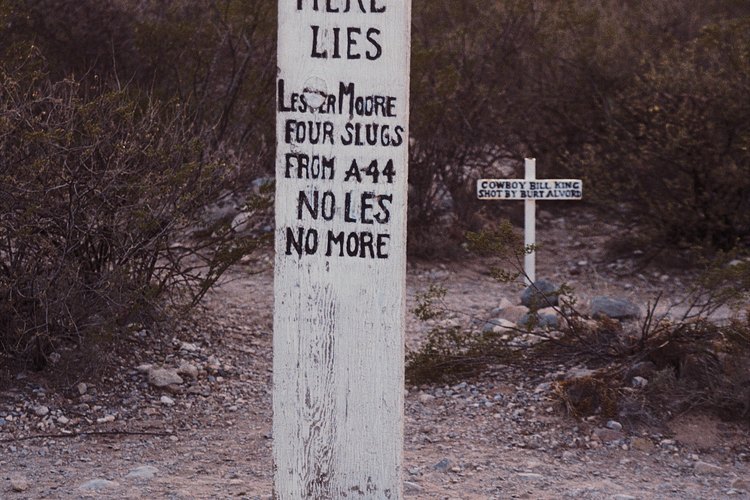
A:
x,y
523,189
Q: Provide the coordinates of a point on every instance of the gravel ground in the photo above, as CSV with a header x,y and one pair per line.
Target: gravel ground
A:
x,y
141,433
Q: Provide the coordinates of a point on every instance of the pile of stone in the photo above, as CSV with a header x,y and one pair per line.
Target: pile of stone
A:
x,y
541,310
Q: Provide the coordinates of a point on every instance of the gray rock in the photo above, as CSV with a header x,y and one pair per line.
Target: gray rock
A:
x,y
578,372
82,388
241,223
741,484
19,484
41,411
188,369
201,391
614,308
189,347
530,476
707,468
443,465
143,473
568,456
425,398
539,320
623,497
163,377
504,303
614,425
499,325
608,435
511,312
639,382
166,401
551,311
541,294
98,485
412,488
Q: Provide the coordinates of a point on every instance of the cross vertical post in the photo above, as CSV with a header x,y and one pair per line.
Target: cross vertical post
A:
x,y
529,233
529,189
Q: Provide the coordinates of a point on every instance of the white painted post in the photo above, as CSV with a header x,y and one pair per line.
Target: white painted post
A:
x,y
529,189
529,260
341,186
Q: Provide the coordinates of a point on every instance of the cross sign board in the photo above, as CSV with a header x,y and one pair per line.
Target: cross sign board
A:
x,y
530,189
342,107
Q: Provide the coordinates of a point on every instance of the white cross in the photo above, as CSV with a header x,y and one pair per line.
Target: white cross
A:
x,y
529,189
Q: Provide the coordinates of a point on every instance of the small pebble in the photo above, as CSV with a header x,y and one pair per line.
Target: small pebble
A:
x,y
41,411
707,468
412,488
19,484
614,425
98,485
144,472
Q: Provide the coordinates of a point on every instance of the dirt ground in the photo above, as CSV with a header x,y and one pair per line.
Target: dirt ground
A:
x,y
500,435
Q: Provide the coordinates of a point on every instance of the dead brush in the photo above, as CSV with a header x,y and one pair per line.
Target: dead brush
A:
x,y
692,365
585,396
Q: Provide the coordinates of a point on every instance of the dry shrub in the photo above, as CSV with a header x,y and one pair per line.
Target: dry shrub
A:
x,y
705,367
586,396
689,362
647,100
452,351
99,189
674,155
691,365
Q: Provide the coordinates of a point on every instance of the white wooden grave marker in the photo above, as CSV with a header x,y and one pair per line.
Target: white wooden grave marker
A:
x,y
529,189
341,185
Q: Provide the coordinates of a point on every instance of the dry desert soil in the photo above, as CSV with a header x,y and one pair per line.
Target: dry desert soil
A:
x,y
112,433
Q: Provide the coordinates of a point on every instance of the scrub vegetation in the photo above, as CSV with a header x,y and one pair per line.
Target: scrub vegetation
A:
x,y
121,121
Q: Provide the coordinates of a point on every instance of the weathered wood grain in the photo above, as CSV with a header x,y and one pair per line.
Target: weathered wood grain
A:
x,y
340,300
